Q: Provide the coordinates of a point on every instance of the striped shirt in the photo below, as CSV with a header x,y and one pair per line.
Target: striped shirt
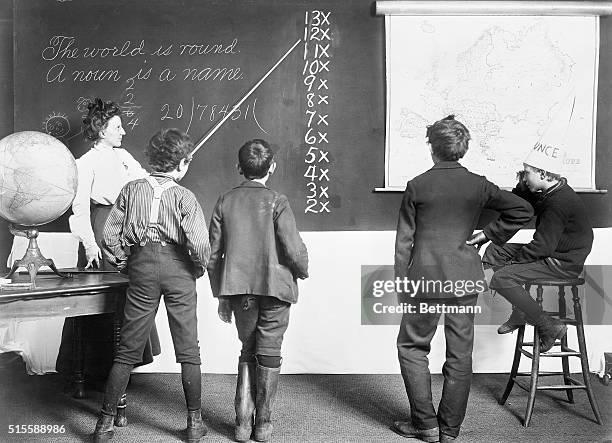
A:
x,y
180,221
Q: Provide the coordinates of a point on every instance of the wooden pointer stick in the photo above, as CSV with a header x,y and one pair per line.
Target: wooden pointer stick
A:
x,y
227,115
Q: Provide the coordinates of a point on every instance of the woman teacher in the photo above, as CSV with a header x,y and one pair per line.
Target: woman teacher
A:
x,y
102,172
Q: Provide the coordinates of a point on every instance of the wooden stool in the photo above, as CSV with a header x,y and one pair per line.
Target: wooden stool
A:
x,y
565,352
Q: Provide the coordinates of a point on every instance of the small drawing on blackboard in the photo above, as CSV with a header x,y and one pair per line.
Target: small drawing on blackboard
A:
x,y
57,125
83,103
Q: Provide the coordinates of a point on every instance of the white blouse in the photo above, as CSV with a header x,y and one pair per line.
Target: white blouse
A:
x,y
103,171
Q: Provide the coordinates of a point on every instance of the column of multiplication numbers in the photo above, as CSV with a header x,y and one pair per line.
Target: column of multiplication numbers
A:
x,y
316,70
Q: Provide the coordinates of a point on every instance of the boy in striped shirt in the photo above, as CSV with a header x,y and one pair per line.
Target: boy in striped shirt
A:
x,y
156,233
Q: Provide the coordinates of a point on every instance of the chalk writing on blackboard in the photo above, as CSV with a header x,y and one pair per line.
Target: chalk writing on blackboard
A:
x,y
129,107
317,43
64,48
198,111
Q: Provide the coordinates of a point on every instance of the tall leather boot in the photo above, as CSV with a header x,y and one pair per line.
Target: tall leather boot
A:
x,y
516,320
550,329
245,401
196,428
267,385
104,428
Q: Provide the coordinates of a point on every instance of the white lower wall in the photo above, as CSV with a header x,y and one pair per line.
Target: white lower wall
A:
x,y
325,334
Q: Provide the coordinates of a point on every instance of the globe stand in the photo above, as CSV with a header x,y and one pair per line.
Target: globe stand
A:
x,y
32,260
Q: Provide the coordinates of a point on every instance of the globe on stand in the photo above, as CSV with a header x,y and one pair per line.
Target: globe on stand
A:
x,y
38,182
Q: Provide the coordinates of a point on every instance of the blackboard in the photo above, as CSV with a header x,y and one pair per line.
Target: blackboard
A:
x,y
185,63
263,30
6,102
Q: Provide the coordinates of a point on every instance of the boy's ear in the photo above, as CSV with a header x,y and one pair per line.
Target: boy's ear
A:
x,y
183,163
239,169
272,168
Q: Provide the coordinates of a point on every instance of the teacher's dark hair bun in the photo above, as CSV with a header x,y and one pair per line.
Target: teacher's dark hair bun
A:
x,y
98,115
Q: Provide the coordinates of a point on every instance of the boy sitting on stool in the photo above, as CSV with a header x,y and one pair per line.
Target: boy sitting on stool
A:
x,y
561,243
156,233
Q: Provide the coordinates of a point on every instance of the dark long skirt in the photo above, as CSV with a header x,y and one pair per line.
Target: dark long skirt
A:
x,y
97,330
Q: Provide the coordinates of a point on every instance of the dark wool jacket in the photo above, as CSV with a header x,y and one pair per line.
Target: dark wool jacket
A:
x,y
255,245
439,213
563,235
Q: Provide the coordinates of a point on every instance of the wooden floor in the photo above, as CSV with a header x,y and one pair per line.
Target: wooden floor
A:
x,y
309,408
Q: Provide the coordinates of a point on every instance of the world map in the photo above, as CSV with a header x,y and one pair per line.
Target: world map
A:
x,y
505,78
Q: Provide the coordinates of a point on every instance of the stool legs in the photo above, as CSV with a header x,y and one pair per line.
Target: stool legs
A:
x,y
535,364
515,364
583,354
535,368
517,358
568,382
564,347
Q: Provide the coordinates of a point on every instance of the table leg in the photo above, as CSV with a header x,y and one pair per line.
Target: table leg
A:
x,y
78,378
121,418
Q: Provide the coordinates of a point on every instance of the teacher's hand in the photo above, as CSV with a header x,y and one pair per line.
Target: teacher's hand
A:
x,y
94,256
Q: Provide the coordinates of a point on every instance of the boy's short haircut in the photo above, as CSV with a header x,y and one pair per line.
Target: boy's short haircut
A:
x,y
255,158
167,148
549,176
448,139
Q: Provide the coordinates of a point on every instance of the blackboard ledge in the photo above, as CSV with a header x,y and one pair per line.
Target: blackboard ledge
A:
x,y
578,190
389,189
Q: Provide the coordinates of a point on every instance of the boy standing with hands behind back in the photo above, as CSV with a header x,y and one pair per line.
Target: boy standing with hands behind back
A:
x,y
256,256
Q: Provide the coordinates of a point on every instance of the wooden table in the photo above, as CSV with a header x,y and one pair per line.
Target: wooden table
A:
x,y
83,294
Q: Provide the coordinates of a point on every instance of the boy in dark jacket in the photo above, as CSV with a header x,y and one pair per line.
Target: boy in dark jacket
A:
x,y
439,212
561,243
156,233
256,256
